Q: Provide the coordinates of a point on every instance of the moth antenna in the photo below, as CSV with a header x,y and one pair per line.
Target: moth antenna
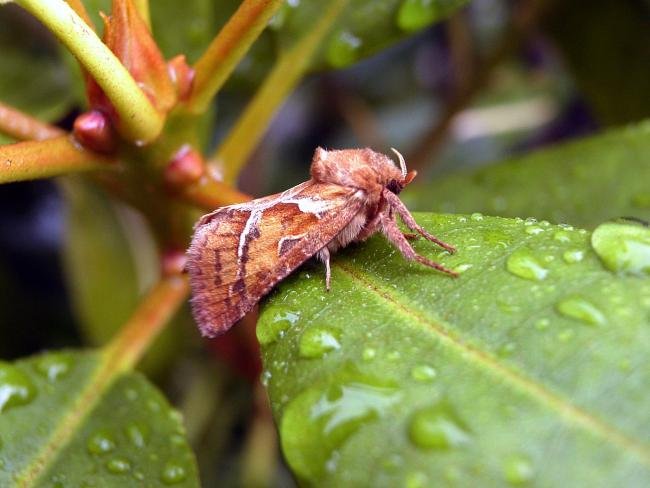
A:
x,y
402,163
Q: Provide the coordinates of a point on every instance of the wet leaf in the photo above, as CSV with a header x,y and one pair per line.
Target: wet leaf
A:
x,y
528,368
581,183
63,424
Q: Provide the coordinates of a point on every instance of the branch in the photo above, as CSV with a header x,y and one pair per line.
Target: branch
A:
x,y
228,48
80,8
43,159
142,6
21,126
209,194
286,74
149,319
139,119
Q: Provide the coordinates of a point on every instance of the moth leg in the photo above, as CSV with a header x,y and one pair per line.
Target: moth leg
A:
x,y
395,236
399,207
324,255
410,235
371,227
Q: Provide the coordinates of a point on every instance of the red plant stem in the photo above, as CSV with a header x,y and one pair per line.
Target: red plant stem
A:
x,y
42,159
21,126
149,319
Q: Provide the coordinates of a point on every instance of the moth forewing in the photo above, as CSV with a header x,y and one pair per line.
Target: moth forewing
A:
x,y
238,253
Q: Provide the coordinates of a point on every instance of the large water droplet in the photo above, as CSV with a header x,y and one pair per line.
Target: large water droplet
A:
x,y
522,263
118,465
518,470
534,230
437,428
317,422
315,342
423,373
343,49
562,236
576,307
416,14
269,331
477,216
100,442
173,472
623,246
15,387
54,365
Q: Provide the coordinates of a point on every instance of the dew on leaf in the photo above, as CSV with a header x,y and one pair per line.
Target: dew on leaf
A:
x,y
534,230
343,49
118,466
416,14
437,428
518,470
100,442
423,373
461,268
315,342
573,256
523,264
565,335
173,472
476,216
16,388
623,247
576,307
542,323
266,377
562,236
368,354
269,331
418,479
319,420
137,434
54,365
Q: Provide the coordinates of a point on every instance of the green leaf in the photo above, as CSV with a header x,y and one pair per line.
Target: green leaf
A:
x,y
528,368
363,29
110,261
581,183
64,423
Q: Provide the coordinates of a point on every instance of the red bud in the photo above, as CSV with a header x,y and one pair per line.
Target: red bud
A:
x,y
185,167
182,76
94,131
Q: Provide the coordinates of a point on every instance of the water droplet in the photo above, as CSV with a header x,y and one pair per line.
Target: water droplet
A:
x,y
417,480
320,419
542,324
573,256
15,387
269,331
100,442
562,236
461,268
315,342
118,466
138,475
266,377
623,246
521,263
131,394
137,434
368,354
173,473
566,335
437,428
530,221
54,365
497,238
534,230
416,14
343,49
393,356
506,349
423,373
476,216
641,200
578,308
518,470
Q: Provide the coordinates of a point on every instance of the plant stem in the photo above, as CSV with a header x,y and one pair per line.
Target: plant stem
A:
x,y
209,193
227,49
142,6
43,159
139,120
22,126
80,8
149,319
283,78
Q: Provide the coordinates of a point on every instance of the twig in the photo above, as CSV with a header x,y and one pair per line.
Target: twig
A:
x,y
209,194
43,159
22,126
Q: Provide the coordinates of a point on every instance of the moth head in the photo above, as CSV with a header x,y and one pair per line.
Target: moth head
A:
x,y
396,186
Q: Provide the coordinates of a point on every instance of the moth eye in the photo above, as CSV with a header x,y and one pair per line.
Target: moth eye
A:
x,y
395,187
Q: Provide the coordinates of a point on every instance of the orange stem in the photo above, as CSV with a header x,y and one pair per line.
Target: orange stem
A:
x,y
209,193
43,159
21,126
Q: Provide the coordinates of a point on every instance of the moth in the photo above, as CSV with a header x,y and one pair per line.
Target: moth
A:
x,y
239,252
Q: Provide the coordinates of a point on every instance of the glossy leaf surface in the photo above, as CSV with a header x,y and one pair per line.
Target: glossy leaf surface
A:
x,y
528,368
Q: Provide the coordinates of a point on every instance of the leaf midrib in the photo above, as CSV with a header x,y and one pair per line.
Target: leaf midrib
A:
x,y
487,362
